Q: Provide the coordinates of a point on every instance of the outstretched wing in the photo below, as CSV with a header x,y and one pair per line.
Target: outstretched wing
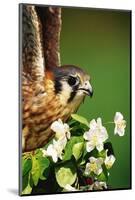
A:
x,y
41,28
33,63
50,18
40,33
32,47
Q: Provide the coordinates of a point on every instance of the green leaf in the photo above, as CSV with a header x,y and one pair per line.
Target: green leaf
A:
x,y
39,170
69,147
44,165
78,130
82,162
77,150
27,190
104,175
80,119
102,154
66,174
25,180
31,180
26,166
26,187
35,172
73,122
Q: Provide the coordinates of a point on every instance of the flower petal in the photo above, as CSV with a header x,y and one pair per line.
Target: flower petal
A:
x,y
51,151
66,127
99,185
99,122
120,131
89,147
118,117
98,171
92,159
109,161
86,135
93,124
103,134
69,188
57,127
99,147
99,161
87,169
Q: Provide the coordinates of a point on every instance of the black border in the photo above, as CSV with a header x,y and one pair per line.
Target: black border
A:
x,y
20,95
20,100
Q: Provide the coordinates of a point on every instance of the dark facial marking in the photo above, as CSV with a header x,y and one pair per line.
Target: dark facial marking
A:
x,y
58,86
73,93
74,83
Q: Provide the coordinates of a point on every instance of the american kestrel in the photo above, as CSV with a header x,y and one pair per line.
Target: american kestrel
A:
x,y
48,94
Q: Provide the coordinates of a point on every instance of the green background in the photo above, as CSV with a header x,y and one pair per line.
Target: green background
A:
x,y
99,42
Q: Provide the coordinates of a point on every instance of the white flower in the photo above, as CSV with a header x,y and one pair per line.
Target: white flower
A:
x,y
51,151
94,166
55,150
69,188
96,135
98,185
109,161
120,124
61,129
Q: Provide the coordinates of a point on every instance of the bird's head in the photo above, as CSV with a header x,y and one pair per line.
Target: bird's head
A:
x,y
71,83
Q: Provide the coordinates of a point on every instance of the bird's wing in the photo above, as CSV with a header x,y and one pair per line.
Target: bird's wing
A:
x,y
32,59
41,28
32,50
32,56
40,34
50,18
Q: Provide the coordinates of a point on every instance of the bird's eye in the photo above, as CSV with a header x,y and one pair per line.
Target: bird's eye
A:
x,y
72,80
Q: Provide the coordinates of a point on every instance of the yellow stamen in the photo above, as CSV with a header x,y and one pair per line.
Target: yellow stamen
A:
x,y
93,167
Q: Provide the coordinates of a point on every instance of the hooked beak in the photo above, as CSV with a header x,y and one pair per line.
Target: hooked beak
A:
x,y
87,89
